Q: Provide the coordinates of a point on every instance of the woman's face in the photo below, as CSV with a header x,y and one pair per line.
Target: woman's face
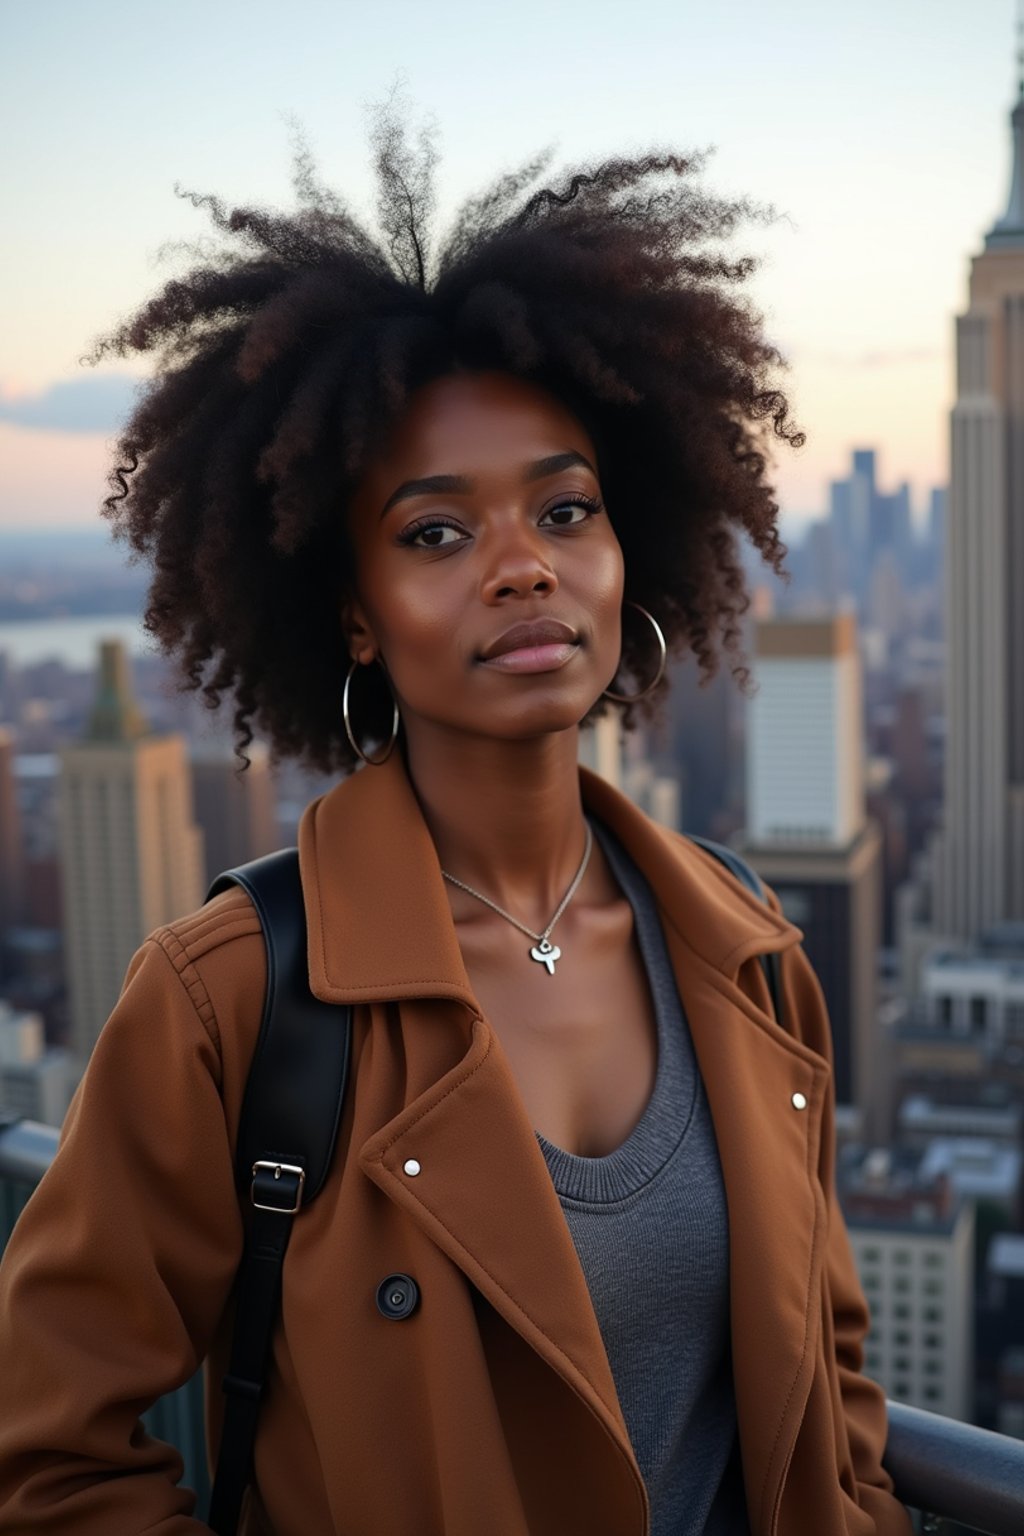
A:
x,y
488,576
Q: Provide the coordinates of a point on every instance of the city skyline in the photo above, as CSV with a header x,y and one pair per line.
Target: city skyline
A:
x,y
873,778
881,205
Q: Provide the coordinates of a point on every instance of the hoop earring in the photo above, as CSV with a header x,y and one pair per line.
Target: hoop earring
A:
x,y
633,698
356,748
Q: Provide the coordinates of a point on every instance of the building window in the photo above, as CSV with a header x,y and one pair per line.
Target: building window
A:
x,y
901,1257
933,1367
901,1310
934,1260
932,1314
901,1389
933,1287
933,1341
871,1255
977,1015
901,1363
901,1284
933,1394
901,1336
796,904
946,1012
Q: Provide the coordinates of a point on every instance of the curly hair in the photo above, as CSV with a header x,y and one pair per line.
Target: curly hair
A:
x,y
282,361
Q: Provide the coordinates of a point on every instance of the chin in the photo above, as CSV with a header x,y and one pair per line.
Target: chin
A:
x,y
529,723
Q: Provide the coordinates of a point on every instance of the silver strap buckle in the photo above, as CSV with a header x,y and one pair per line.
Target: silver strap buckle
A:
x,y
279,1168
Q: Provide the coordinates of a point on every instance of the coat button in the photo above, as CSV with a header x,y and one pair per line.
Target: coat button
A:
x,y
397,1296
799,1101
411,1167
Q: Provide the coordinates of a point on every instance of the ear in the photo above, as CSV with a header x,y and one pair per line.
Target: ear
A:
x,y
359,637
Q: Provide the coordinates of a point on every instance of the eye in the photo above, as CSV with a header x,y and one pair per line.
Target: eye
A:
x,y
431,533
571,511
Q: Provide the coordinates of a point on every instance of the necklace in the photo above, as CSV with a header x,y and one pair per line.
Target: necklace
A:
x,y
543,951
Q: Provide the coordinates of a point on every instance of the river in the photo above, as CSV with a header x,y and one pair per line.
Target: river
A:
x,y
74,641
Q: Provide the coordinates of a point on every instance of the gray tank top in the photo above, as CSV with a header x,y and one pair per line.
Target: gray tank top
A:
x,y
650,1226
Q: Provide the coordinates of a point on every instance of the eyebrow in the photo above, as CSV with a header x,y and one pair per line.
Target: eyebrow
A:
x,y
462,485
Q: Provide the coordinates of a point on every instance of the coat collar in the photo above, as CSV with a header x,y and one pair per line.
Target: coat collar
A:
x,y
377,910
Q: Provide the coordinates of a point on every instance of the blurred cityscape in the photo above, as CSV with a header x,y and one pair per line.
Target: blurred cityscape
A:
x,y
875,779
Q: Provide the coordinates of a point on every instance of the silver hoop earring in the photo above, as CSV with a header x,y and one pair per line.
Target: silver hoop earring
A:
x,y
633,698
356,748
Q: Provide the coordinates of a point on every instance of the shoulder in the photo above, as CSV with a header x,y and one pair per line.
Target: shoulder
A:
x,y
701,860
804,1006
226,921
218,954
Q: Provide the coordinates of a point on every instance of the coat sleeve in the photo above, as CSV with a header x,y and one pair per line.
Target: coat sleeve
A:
x,y
863,1400
117,1273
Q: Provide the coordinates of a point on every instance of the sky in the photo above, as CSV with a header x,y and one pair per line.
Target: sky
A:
x,y
878,131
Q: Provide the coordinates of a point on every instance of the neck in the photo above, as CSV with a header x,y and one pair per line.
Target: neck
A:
x,y
506,816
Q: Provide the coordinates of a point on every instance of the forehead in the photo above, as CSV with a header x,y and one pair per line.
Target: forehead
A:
x,y
467,423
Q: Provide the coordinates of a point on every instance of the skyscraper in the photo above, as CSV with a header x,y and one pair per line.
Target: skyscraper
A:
x,y
808,833
131,856
805,756
235,811
11,866
978,868
866,523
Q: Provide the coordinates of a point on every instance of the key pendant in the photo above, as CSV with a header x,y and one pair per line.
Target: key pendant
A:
x,y
546,953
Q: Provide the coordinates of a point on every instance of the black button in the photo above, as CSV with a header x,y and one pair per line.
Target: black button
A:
x,y
397,1296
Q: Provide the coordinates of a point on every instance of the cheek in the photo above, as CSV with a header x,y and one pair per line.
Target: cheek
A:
x,y
413,620
608,614
608,580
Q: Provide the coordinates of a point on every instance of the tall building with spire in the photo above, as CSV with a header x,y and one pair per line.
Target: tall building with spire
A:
x,y
131,854
978,858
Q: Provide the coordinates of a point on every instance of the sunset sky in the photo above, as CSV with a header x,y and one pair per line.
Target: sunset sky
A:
x,y
880,130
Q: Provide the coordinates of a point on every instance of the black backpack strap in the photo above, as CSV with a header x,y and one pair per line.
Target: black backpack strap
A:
x,y
289,1123
752,880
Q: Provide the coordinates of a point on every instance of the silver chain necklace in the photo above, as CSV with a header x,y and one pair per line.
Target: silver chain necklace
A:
x,y
543,951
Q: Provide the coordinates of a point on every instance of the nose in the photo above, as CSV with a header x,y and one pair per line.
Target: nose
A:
x,y
518,566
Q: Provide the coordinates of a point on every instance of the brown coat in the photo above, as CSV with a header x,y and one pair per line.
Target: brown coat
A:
x,y
491,1411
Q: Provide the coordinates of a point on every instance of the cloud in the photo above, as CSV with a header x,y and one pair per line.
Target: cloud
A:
x,y
96,404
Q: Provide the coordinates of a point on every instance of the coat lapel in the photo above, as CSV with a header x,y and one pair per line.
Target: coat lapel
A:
x,y
768,1147
379,927
484,1195
768,1151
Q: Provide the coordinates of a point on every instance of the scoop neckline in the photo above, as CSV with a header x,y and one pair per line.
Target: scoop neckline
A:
x,y
668,1113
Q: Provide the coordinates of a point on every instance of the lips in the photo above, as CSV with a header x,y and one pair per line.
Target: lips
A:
x,y
530,636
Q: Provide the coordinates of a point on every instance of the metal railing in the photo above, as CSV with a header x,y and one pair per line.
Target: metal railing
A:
x,y
956,1471
950,1470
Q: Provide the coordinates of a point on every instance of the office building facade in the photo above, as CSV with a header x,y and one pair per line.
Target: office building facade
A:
x,y
131,854
808,833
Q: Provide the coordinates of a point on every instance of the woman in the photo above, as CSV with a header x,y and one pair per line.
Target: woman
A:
x,y
435,512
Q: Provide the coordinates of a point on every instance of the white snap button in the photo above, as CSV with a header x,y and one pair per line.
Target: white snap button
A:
x,y
412,1167
799,1101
